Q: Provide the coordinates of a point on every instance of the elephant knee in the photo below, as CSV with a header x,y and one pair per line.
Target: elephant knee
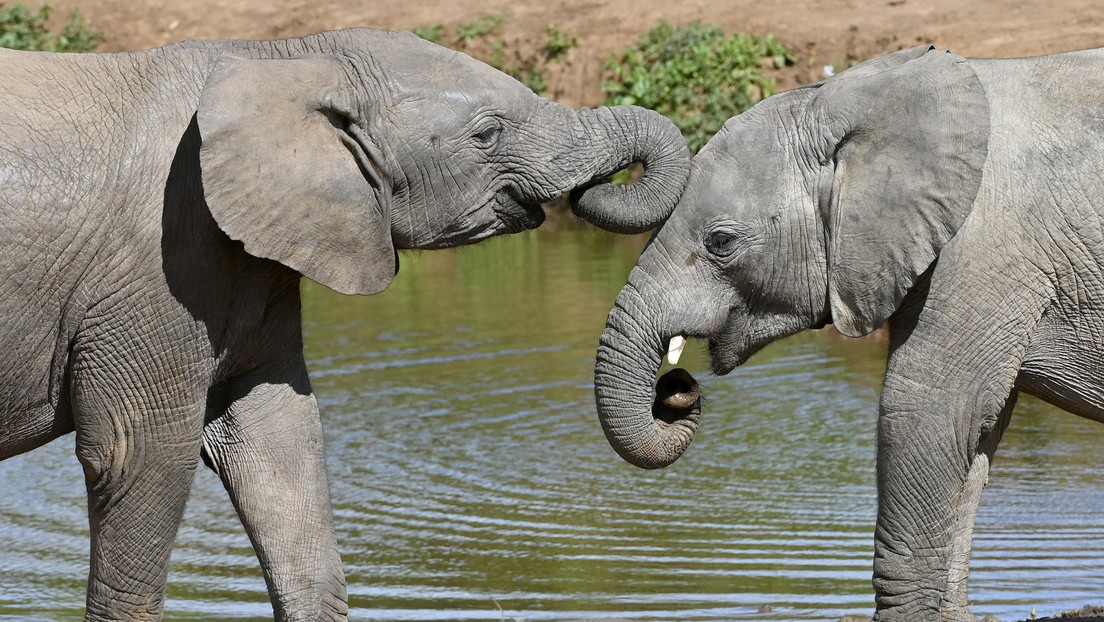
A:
x,y
104,455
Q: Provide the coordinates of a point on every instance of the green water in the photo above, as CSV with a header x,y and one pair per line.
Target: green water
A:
x,y
471,480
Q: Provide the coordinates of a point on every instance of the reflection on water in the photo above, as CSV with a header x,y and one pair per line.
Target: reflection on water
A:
x,y
471,480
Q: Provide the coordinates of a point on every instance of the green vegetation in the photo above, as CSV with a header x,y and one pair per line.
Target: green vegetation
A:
x,y
480,38
483,26
526,68
433,34
531,68
695,75
21,29
558,42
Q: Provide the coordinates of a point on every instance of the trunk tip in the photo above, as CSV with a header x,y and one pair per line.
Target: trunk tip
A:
x,y
676,413
677,395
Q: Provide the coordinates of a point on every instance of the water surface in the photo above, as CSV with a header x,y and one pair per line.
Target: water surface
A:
x,y
471,480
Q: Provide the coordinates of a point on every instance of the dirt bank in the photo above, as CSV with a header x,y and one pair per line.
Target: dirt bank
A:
x,y
820,31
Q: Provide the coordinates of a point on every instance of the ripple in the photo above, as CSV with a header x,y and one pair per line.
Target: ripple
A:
x,y
471,480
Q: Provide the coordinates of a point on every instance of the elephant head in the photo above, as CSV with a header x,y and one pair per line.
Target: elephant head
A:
x,y
823,204
352,144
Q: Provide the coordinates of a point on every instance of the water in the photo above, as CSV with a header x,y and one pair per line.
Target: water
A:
x,y
471,480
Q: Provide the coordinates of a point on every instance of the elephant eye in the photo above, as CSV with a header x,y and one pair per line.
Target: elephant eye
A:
x,y
720,243
487,137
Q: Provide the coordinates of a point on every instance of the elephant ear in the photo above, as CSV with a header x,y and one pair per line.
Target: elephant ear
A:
x,y
910,135
289,172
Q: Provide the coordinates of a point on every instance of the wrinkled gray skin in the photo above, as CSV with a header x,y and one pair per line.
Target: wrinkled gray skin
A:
x,y
156,212
962,201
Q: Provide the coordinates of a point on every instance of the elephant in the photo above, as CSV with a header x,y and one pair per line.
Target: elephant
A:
x,y
957,202
157,211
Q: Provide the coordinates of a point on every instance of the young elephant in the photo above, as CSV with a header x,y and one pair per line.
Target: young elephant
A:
x,y
962,201
157,210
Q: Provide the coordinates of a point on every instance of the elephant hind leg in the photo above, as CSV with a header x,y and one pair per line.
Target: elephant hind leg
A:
x,y
138,396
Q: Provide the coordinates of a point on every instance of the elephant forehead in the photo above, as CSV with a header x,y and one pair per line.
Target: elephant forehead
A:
x,y
750,139
751,168
440,111
452,77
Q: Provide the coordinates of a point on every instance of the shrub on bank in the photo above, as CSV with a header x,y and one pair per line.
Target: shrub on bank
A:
x,y
22,29
695,75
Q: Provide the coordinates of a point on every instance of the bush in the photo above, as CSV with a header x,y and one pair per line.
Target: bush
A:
x,y
480,38
483,26
694,75
558,43
433,34
21,29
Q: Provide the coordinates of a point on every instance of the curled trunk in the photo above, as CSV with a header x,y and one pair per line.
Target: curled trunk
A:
x,y
630,134
649,427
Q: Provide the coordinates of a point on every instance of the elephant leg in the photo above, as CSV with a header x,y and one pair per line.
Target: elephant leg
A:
x,y
935,445
139,445
264,439
956,599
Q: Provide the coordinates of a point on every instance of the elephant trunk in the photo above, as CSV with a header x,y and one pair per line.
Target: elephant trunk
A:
x,y
629,134
648,427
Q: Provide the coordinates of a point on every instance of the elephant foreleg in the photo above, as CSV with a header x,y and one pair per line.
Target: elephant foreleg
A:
x,y
956,598
264,439
933,463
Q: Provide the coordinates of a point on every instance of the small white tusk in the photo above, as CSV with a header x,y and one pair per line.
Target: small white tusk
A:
x,y
674,350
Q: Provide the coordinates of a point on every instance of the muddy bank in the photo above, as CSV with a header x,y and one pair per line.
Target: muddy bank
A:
x,y
821,32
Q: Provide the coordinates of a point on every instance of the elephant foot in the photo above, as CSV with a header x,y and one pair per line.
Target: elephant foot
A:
x,y
946,614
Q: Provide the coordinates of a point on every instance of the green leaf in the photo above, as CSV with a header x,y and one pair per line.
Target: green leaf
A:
x,y
21,29
694,74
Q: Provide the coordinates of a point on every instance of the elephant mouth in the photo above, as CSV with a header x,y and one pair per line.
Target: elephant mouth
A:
x,y
516,215
721,353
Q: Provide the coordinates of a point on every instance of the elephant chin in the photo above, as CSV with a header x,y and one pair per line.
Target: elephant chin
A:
x,y
515,215
730,346
722,357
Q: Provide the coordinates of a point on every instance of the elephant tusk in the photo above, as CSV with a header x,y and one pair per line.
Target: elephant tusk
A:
x,y
674,350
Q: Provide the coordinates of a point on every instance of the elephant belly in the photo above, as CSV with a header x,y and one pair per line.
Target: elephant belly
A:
x,y
23,429
1065,367
32,404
